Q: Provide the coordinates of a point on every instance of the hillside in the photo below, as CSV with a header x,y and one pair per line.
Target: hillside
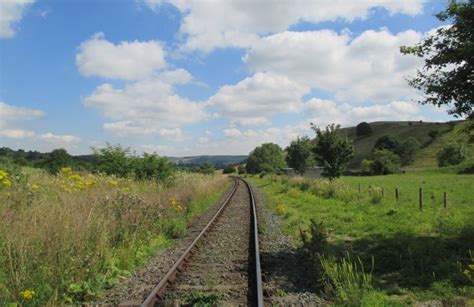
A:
x,y
426,157
214,160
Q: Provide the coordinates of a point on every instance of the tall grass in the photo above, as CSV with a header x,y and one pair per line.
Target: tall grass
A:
x,y
413,252
65,238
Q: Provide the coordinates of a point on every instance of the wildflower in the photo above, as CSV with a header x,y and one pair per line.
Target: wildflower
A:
x,y
176,205
66,170
281,209
113,183
27,294
3,174
7,182
75,178
471,266
466,272
34,187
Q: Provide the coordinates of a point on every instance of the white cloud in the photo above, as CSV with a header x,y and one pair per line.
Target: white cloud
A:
x,y
11,113
162,150
232,132
59,139
367,68
324,112
146,107
255,99
16,133
235,23
11,12
126,60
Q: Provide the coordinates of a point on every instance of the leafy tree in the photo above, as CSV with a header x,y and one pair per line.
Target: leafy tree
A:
x,y
452,154
229,169
57,159
407,150
384,162
241,169
332,150
152,167
207,168
114,160
447,75
386,142
299,154
363,129
265,158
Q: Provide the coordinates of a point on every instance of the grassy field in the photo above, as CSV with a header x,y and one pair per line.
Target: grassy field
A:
x,y
379,250
66,238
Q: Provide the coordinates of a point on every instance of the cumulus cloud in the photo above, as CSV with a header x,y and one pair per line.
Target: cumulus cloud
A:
x,y
11,113
255,99
324,112
59,140
16,133
11,12
366,68
125,60
146,107
234,23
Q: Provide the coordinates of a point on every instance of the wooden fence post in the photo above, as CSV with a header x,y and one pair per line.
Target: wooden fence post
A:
x,y
383,193
421,199
397,195
445,200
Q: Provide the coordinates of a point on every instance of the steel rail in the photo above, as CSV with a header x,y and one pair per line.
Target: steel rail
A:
x,y
159,289
258,270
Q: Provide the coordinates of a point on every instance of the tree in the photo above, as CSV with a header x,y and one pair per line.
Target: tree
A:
x,y
241,169
152,167
207,168
363,129
114,160
57,159
446,78
332,150
452,154
299,154
407,150
266,158
386,142
229,169
385,162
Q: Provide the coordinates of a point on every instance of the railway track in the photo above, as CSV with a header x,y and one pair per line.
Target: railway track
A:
x,y
223,260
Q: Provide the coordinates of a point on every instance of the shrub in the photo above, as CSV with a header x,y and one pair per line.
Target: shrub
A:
x,y
152,167
385,162
229,169
408,149
241,169
452,154
57,159
433,134
114,160
363,129
299,155
387,142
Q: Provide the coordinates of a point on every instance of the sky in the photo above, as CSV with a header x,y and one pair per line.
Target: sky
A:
x,y
192,77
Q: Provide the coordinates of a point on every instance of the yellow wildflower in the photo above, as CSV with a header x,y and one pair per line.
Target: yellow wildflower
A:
x,y
75,178
466,272
471,266
66,170
281,209
113,183
34,187
27,294
3,174
176,205
7,182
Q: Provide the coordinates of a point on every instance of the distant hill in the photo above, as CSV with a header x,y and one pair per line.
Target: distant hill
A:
x,y
218,161
426,157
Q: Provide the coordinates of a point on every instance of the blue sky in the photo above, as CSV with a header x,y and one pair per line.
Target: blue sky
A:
x,y
203,77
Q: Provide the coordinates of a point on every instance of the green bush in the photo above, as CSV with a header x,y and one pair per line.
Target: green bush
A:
x,y
229,169
114,160
363,129
266,158
152,167
452,154
385,162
